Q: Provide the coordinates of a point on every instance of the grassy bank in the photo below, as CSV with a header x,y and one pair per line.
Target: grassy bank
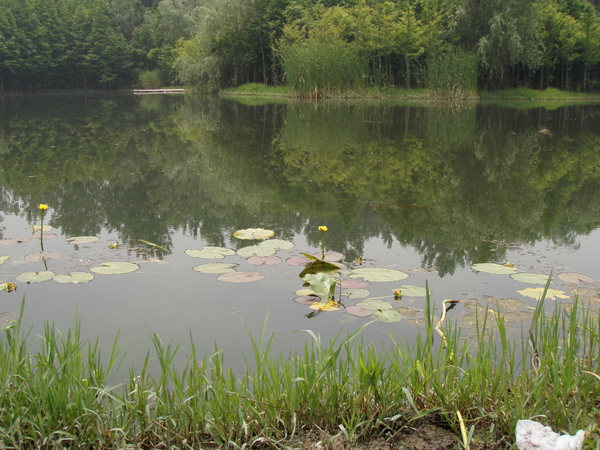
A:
x,y
60,396
260,90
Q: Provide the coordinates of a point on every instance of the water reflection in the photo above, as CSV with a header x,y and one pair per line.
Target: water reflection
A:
x,y
457,186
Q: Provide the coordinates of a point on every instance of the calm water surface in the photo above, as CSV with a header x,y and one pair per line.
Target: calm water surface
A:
x,y
427,190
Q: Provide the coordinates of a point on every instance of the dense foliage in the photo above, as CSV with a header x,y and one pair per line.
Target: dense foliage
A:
x,y
217,43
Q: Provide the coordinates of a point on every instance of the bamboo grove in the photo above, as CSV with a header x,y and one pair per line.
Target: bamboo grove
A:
x,y
310,46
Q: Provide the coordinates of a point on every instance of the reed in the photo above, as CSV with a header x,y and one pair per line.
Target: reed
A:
x,y
59,395
452,74
316,69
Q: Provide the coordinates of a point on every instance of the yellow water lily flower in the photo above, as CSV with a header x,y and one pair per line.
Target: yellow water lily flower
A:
x,y
323,228
42,207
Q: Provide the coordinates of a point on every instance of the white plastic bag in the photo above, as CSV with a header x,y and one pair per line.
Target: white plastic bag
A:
x,y
533,435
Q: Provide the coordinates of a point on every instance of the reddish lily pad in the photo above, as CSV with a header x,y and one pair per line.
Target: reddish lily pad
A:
x,y
41,256
575,278
82,240
298,261
306,299
260,260
240,277
354,283
358,311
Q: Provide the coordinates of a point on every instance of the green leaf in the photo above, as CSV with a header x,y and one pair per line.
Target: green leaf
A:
x,y
322,284
115,268
533,278
82,240
318,266
74,278
537,293
277,244
240,277
215,268
3,259
209,252
410,290
390,315
253,233
356,293
377,274
35,277
498,269
375,305
35,228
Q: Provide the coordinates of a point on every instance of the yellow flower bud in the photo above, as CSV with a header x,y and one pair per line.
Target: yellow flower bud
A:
x,y
42,207
323,228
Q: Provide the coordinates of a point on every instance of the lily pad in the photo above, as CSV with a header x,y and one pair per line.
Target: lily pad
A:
x,y
305,292
410,290
329,256
305,299
356,293
354,283
322,284
297,261
35,228
499,269
10,241
82,240
390,315
74,278
536,293
378,274
215,268
240,277
277,244
209,252
254,234
3,259
533,278
35,277
374,305
575,278
358,311
115,268
260,260
41,256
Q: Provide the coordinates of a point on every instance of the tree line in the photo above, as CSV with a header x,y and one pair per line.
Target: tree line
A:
x,y
309,43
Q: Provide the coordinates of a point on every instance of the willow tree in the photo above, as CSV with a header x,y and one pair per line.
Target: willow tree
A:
x,y
504,34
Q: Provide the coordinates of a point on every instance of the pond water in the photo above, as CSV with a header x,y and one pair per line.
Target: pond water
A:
x,y
427,190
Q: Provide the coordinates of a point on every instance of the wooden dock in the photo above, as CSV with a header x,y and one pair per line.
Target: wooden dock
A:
x,y
158,91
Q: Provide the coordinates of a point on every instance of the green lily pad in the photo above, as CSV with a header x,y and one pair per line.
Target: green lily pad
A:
x,y
498,269
305,292
3,259
277,244
536,293
115,268
240,277
254,233
389,315
374,305
35,277
74,278
410,290
215,268
209,252
533,278
356,293
378,274
82,240
35,228
41,256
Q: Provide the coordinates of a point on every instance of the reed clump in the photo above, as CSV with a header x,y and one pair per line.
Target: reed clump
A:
x,y
61,395
452,75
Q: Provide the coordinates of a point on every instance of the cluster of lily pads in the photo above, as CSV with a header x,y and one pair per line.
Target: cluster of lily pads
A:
x,y
534,278
74,277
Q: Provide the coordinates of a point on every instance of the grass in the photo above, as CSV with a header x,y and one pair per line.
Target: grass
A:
x,y
60,395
